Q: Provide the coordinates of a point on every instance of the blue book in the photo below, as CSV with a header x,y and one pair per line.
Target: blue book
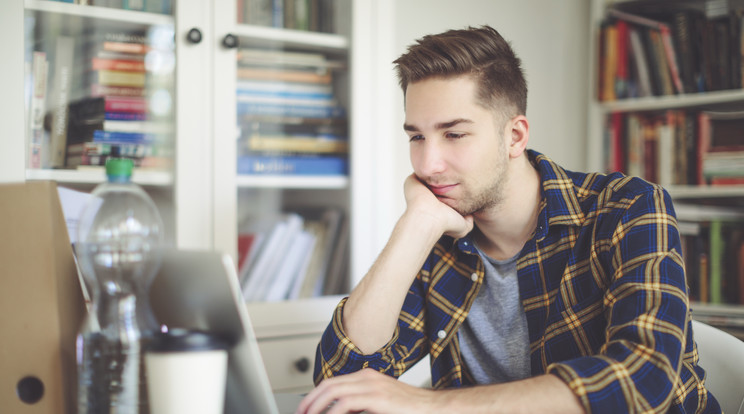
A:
x,y
123,137
292,165
125,116
301,111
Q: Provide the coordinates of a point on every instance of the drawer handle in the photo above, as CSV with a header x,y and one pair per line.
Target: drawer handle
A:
x,y
302,364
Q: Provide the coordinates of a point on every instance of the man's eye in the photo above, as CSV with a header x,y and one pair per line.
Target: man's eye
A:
x,y
454,135
416,138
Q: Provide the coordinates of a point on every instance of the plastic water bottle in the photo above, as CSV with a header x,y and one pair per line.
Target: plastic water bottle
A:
x,y
120,236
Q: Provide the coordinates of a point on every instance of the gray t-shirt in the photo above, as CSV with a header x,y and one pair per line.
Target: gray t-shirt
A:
x,y
493,339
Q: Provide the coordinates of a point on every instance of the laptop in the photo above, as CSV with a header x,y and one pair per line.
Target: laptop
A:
x,y
200,290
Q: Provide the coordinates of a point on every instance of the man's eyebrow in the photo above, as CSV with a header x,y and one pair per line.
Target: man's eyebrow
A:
x,y
440,125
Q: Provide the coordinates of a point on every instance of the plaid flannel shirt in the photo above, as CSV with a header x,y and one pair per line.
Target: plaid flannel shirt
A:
x,y
603,286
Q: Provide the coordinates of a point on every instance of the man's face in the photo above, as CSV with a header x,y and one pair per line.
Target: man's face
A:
x,y
457,146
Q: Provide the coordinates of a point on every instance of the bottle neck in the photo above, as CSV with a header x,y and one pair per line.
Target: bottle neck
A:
x,y
119,179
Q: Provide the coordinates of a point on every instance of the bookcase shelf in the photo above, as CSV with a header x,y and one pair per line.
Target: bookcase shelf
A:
x,y
276,37
145,178
709,215
98,13
674,101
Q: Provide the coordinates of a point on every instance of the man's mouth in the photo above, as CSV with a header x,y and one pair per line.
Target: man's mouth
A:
x,y
441,190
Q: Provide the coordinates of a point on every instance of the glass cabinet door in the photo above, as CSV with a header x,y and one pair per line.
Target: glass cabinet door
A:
x,y
288,146
99,82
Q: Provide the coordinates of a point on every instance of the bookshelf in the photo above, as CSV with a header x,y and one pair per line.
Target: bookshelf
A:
x,y
669,135
202,197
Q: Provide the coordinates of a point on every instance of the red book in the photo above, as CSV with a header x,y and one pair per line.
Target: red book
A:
x,y
617,143
118,64
111,90
702,144
125,104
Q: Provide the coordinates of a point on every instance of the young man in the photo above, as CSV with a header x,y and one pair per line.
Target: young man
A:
x,y
532,288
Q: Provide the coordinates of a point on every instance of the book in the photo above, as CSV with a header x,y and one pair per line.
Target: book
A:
x,y
717,247
37,109
125,47
296,259
641,69
289,111
120,78
125,116
97,89
668,54
125,65
326,228
63,67
292,165
125,104
137,126
123,137
277,74
271,256
84,117
247,87
298,143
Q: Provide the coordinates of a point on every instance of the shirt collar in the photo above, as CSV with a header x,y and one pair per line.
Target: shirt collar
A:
x,y
560,195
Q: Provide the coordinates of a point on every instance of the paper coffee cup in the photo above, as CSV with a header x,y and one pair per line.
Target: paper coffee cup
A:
x,y
186,373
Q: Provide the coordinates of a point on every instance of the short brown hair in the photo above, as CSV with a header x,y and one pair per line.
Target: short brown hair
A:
x,y
481,52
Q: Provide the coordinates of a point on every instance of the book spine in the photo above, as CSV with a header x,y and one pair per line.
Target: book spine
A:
x,y
97,89
123,137
120,78
716,261
293,165
38,108
64,60
122,104
300,111
125,116
98,63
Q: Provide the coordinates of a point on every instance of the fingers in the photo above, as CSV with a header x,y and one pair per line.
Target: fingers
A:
x,y
330,391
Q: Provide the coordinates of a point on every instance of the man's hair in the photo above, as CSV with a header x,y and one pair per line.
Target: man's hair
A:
x,y
479,52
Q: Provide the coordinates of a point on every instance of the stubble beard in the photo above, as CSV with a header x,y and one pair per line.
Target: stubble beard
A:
x,y
492,195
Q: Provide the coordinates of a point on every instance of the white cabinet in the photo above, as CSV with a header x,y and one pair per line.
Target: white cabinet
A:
x,y
662,135
203,200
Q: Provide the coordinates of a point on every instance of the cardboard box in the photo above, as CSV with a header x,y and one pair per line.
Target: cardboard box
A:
x,y
41,304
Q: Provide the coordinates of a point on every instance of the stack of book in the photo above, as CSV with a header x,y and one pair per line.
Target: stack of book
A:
x,y
713,251
115,116
294,256
312,15
290,119
686,51
677,147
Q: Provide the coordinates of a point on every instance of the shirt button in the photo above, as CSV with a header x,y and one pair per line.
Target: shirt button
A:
x,y
441,334
464,243
474,277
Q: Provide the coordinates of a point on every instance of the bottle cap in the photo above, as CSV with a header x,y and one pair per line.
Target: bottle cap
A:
x,y
119,167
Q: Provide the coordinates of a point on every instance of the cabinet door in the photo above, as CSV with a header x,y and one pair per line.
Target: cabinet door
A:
x,y
282,109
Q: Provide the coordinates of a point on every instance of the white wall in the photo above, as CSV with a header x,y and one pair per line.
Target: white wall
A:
x,y
552,39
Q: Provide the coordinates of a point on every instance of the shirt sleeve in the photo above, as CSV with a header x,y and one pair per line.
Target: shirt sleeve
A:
x,y
337,355
646,306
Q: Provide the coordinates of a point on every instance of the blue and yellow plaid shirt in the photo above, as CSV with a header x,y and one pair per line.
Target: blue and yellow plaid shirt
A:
x,y
602,283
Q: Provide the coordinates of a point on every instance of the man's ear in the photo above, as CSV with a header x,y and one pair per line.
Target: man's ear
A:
x,y
519,132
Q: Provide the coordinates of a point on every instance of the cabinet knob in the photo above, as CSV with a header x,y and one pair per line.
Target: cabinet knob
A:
x,y
230,41
194,35
302,364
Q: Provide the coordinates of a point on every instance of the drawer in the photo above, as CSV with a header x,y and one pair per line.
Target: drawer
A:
x,y
289,361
